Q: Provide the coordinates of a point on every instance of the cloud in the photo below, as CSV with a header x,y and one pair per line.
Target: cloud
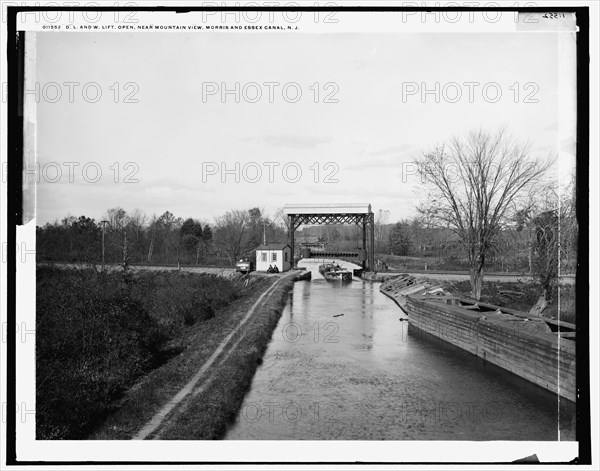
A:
x,y
392,150
176,185
296,141
372,164
388,158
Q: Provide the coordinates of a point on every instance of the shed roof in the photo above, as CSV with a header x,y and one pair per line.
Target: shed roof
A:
x,y
328,208
272,246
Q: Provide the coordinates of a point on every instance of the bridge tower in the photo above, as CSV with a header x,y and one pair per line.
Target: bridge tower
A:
x,y
317,214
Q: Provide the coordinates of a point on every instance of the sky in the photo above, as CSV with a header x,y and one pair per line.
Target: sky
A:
x,y
166,140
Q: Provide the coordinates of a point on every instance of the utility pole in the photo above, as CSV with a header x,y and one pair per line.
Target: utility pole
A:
x,y
265,231
152,241
103,227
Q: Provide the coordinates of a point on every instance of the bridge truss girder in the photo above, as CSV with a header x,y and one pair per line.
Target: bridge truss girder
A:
x,y
366,220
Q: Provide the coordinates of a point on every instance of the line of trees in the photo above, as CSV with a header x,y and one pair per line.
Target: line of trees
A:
x,y
513,248
422,240
486,200
238,233
136,238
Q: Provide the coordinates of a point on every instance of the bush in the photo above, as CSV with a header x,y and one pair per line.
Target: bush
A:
x,y
98,332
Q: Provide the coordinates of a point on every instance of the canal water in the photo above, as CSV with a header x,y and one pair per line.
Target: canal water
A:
x,y
342,365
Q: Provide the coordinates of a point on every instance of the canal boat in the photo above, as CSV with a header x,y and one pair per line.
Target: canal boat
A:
x,y
333,272
534,348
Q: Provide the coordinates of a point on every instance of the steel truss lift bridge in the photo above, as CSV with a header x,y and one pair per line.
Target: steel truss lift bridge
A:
x,y
333,213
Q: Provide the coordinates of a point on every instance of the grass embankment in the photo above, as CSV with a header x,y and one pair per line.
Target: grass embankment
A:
x,y
97,333
214,403
522,296
440,263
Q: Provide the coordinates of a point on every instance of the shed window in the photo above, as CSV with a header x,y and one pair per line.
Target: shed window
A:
x,y
263,256
285,256
274,257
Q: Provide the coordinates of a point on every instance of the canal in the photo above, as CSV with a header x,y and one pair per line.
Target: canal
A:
x,y
342,365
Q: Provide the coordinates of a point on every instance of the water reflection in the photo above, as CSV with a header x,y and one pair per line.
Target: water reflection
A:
x,y
367,375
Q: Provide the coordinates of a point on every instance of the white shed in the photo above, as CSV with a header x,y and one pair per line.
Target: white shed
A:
x,y
279,255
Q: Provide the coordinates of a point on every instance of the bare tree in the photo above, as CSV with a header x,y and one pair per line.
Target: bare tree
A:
x,y
168,225
137,222
569,228
152,231
475,182
555,241
282,220
120,233
424,224
383,215
232,234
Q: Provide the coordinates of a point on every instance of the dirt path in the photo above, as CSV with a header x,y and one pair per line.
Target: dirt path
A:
x,y
160,418
492,277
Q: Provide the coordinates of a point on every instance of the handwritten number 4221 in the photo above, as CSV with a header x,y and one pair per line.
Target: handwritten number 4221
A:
x,y
553,15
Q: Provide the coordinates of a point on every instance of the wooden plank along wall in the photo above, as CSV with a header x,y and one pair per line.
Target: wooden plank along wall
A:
x,y
539,357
